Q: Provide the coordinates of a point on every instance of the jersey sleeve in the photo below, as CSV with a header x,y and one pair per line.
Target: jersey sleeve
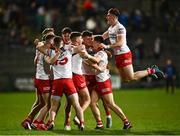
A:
x,y
120,30
100,54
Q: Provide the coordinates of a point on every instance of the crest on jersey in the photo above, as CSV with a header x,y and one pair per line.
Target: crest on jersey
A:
x,y
120,31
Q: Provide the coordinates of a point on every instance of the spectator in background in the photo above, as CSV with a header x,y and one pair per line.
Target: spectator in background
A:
x,y
124,18
157,48
137,20
170,75
139,49
40,17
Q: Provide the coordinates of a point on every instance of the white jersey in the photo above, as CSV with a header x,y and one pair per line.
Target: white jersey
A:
x,y
104,75
86,69
42,68
62,67
113,32
77,64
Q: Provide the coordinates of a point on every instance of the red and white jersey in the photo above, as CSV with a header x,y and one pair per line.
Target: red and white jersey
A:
x,y
77,64
62,67
113,32
86,69
42,68
104,75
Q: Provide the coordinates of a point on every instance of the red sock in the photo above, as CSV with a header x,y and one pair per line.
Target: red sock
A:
x,y
126,121
150,71
81,123
99,122
108,113
29,119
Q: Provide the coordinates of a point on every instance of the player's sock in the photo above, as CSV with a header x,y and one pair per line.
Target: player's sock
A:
x,y
50,125
76,120
67,125
81,127
150,71
26,123
99,125
108,121
127,124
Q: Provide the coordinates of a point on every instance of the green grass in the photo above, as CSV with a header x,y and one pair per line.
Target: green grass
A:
x,y
151,111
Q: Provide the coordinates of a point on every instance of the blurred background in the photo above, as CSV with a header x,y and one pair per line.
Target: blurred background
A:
x,y
153,36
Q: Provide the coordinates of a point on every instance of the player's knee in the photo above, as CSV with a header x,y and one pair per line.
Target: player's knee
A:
x,y
92,103
87,99
41,104
128,78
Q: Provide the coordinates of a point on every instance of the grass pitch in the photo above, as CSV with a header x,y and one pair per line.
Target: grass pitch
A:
x,y
151,111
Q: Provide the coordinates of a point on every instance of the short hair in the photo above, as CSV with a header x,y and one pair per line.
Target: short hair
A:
x,y
114,11
66,30
49,36
74,35
99,39
87,33
47,30
57,41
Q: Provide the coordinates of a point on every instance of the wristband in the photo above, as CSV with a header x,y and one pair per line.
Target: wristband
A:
x,y
107,46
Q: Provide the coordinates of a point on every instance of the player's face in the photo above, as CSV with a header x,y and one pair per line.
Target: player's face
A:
x,y
66,37
95,45
51,41
110,18
79,40
88,41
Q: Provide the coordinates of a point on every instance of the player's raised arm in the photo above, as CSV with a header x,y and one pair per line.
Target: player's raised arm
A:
x,y
56,45
52,60
43,46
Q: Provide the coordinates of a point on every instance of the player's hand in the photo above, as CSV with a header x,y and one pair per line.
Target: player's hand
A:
x,y
36,42
83,54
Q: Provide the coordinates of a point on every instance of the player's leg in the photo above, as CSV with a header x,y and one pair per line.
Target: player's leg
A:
x,y
38,123
67,114
84,98
74,99
38,104
55,102
124,65
83,93
95,109
108,98
105,90
108,115
127,73
57,92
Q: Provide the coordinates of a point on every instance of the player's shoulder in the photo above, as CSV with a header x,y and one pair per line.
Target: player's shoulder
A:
x,y
119,25
101,53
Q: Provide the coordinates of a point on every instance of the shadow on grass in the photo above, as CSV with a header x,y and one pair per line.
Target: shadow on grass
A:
x,y
89,132
115,132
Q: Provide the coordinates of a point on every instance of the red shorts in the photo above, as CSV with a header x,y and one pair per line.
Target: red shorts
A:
x,y
43,86
104,87
90,81
123,60
79,81
64,85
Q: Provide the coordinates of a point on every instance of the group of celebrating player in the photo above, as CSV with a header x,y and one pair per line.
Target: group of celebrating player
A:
x,y
76,64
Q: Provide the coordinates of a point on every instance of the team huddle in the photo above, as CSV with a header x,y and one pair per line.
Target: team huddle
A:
x,y
76,64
